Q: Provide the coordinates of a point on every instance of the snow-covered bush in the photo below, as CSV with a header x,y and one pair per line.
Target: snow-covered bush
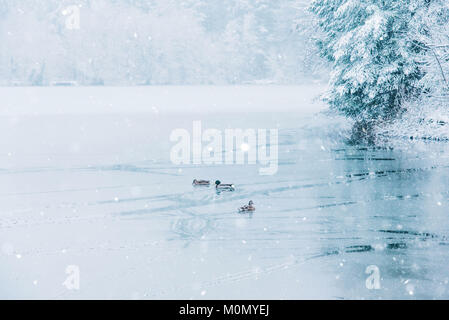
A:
x,y
431,32
427,117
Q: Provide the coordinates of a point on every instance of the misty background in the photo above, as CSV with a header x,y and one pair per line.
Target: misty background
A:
x,y
157,42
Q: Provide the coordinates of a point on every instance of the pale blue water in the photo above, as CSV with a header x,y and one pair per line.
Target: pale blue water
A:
x,y
100,192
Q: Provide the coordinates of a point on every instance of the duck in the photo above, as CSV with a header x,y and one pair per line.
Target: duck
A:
x,y
224,187
248,208
200,182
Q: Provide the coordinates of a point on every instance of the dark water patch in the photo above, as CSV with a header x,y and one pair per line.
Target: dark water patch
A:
x,y
398,171
365,159
351,158
331,205
359,248
358,175
399,245
363,149
330,252
413,233
401,197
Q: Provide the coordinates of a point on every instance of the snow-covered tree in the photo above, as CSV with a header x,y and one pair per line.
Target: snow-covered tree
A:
x,y
428,116
431,33
374,65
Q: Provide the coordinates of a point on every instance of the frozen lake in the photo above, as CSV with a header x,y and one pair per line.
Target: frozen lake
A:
x,y
87,181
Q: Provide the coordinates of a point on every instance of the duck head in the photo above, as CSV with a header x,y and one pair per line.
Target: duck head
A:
x,y
250,202
218,182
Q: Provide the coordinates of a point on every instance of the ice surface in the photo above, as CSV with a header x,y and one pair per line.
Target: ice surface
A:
x,y
81,185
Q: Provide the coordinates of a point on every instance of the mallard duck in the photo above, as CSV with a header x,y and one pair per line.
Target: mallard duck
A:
x,y
201,182
224,187
248,208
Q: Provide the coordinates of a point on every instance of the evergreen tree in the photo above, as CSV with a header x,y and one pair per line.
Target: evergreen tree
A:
x,y
373,60
431,30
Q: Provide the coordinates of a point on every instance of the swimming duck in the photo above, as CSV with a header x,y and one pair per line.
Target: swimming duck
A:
x,y
248,208
224,187
201,182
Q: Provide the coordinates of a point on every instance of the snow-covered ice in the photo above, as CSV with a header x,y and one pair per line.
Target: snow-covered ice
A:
x,y
86,181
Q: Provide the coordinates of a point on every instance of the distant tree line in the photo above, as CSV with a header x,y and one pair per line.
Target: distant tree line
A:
x,y
152,42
